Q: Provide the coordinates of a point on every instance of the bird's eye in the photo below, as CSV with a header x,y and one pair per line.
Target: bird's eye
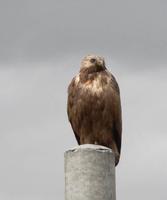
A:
x,y
92,60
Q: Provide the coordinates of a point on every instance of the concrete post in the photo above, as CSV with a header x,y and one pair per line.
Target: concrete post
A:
x,y
89,173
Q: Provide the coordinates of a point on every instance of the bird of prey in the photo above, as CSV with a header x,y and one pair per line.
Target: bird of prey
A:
x,y
94,106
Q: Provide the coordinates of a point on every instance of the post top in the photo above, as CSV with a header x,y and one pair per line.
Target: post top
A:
x,y
90,147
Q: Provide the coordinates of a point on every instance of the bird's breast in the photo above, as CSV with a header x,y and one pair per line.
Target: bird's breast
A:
x,y
95,85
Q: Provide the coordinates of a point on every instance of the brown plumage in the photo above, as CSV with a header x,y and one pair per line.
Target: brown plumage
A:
x,y
94,107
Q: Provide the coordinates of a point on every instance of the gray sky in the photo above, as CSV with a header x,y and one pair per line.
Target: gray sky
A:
x,y
42,43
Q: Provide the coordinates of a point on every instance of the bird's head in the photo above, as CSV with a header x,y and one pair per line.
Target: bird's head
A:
x,y
93,62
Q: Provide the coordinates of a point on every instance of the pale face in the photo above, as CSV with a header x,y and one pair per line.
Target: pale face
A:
x,y
92,60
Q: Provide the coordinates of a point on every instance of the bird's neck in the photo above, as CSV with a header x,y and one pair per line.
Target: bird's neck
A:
x,y
90,73
93,69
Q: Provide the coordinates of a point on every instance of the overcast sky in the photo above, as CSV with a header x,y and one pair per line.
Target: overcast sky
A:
x,y
41,45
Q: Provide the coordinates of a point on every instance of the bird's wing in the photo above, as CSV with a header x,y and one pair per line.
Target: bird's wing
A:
x,y
117,113
71,108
